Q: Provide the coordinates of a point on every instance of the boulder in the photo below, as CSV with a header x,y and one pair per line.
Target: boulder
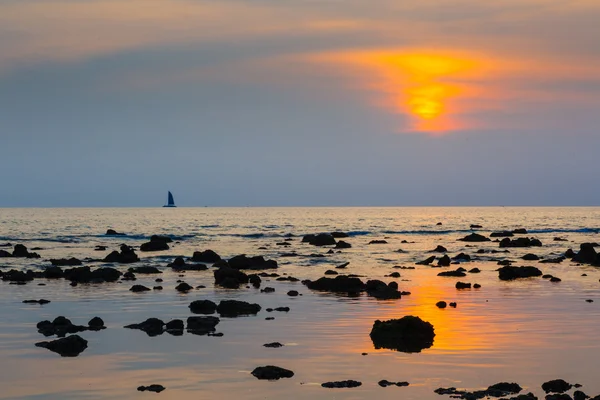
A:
x,y
342,245
530,257
271,373
462,257
63,262
502,234
520,231
441,304
236,308
96,324
145,270
154,246
203,307
444,261
126,256
474,237
439,249
382,291
152,326
151,388
587,254
183,287
339,284
21,251
71,346
139,289
229,277
274,345
341,384
202,325
463,285
322,239
207,256
409,334
520,242
254,263
509,273
427,261
112,232
556,386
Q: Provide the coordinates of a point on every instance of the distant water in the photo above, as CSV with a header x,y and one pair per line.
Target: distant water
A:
x,y
527,331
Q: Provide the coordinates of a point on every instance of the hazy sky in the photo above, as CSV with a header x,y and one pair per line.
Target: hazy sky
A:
x,y
299,102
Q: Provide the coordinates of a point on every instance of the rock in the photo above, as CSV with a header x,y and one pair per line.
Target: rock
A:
x,y
18,277
86,275
477,286
475,226
112,232
65,262
530,257
126,256
271,373
579,395
504,262
561,396
386,383
342,266
427,261
152,326
444,261
96,324
267,290
474,271
382,291
439,249
274,345
502,234
463,285
139,289
100,248
207,256
587,255
254,263
520,231
341,384
556,386
152,388
322,239
202,325
41,301
180,265
21,251
453,304
570,253
520,242
508,273
342,245
5,254
293,293
378,242
409,334
53,273
154,246
203,307
331,272
340,284
229,277
556,260
254,280
394,275
129,276
183,287
235,308
441,304
474,237
462,257
175,327
338,235
145,270
71,346
157,288
555,279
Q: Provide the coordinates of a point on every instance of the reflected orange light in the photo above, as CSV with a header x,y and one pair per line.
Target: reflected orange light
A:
x,y
432,88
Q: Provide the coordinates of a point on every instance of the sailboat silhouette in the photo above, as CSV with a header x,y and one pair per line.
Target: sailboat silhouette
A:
x,y
170,201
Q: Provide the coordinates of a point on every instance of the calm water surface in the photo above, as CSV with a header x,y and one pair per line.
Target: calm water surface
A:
x,y
527,331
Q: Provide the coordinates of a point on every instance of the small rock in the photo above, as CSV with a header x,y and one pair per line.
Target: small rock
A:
x,y
152,388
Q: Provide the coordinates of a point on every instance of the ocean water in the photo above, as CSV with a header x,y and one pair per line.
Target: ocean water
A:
x,y
527,331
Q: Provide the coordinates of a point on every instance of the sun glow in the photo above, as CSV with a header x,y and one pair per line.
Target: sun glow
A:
x,y
433,88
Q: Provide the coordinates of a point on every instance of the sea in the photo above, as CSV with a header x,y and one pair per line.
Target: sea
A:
x,y
527,331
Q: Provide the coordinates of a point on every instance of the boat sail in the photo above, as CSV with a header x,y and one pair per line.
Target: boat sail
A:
x,y
170,201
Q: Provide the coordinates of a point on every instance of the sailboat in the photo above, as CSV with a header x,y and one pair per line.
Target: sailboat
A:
x,y
170,201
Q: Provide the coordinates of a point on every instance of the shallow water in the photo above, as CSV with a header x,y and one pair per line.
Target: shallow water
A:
x,y
526,331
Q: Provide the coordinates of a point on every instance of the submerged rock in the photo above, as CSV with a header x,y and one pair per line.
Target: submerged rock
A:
x,y
139,289
71,346
409,334
474,237
341,384
152,326
502,234
386,383
508,273
321,239
271,373
463,285
112,232
145,270
274,345
342,245
40,301
456,273
520,242
151,388
254,263
202,325
378,241
339,284
235,308
203,307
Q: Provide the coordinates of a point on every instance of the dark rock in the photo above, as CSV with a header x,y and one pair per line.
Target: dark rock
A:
x,y
62,262
203,307
382,291
502,234
559,239
257,262
474,237
154,246
555,279
342,266
341,384
274,345
386,383
235,308
409,334
18,277
338,235
183,287
340,284
5,254
444,261
579,395
86,275
126,256
474,271
520,231
21,251
293,293
475,226
152,388
112,232
556,386
53,273
139,288
570,253
175,325
287,278
587,255
129,276
520,242
441,304
202,325
556,260
508,273
254,280
41,301
179,265
271,373
267,290
282,309
229,277
562,396
427,261
462,257
504,262
342,245
322,239
207,256
145,270
378,242
477,286
439,249
463,285
100,248
71,346
453,304
157,288
530,257
152,326
96,324
331,272
394,275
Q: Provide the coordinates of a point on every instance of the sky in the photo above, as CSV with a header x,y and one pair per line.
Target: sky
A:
x,y
107,103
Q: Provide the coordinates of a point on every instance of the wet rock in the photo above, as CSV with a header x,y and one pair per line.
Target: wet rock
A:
x,y
579,395
202,325
427,261
382,291
530,257
229,277
386,383
476,226
112,232
40,301
509,273
19,277
444,261
409,334
235,308
587,254
254,263
282,309
267,290
555,279
271,373
175,327
340,284
441,304
394,275
151,388
71,346
439,249
504,262
151,326
556,260
378,241
157,288
62,262
145,270
342,266
474,271
331,272
96,324
21,251
125,256
5,254
341,384
203,307
274,345
463,285
520,231
502,234
520,242
139,289
254,280
339,235
322,239
156,245
269,318
183,287
477,286
556,386
207,256
100,248
453,304
86,275
53,273
474,237
129,276
287,278
293,293
462,257
179,265
342,245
